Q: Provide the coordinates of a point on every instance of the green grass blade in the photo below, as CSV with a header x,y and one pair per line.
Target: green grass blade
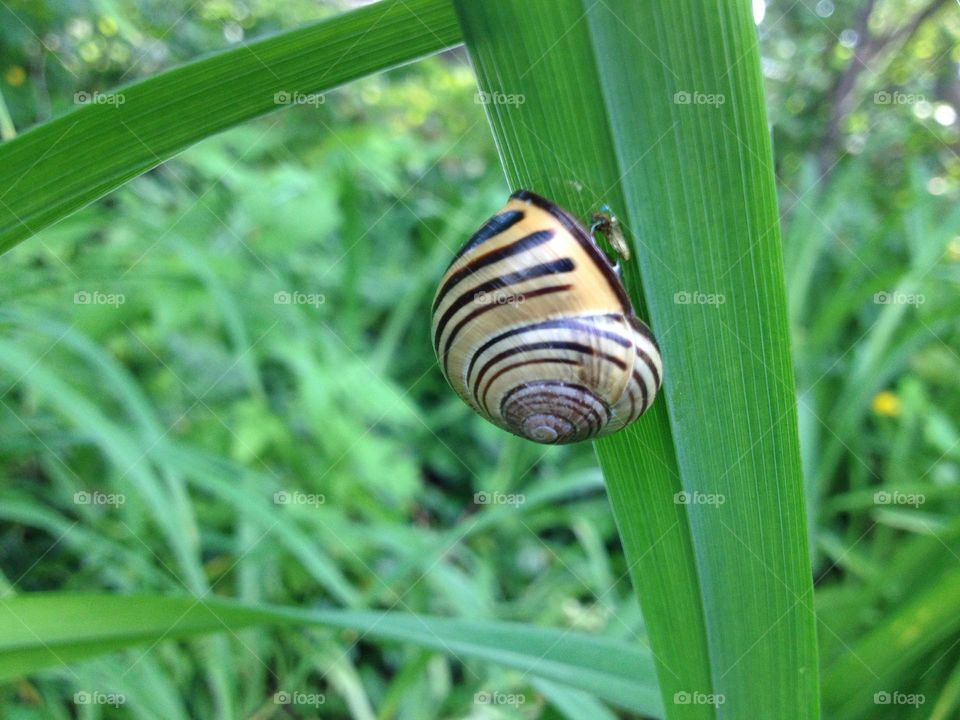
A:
x,y
58,167
45,630
949,699
573,704
725,588
886,659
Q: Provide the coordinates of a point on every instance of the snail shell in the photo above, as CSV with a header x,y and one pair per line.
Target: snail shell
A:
x,y
534,330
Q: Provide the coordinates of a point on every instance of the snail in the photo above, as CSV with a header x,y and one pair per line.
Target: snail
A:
x,y
534,330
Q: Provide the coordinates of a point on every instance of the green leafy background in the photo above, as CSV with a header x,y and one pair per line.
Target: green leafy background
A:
x,y
198,397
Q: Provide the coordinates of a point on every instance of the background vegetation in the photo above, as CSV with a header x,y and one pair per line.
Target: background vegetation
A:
x,y
169,424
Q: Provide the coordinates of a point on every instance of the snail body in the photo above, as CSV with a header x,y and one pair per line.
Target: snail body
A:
x,y
534,330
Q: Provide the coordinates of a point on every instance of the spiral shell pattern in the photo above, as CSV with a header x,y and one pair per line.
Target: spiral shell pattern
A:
x,y
533,329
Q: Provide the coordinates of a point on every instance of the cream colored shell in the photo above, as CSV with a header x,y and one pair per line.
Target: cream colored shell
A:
x,y
534,330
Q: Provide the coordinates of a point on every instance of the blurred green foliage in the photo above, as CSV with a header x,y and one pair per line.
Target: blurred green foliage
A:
x,y
309,452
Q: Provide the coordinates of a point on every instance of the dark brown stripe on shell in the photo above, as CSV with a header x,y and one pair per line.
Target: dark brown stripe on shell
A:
x,y
556,267
491,228
586,241
514,366
549,290
641,327
648,361
558,323
547,345
515,248
642,386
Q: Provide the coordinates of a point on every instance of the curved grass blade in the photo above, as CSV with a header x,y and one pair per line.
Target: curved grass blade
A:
x,y
60,166
894,656
45,630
